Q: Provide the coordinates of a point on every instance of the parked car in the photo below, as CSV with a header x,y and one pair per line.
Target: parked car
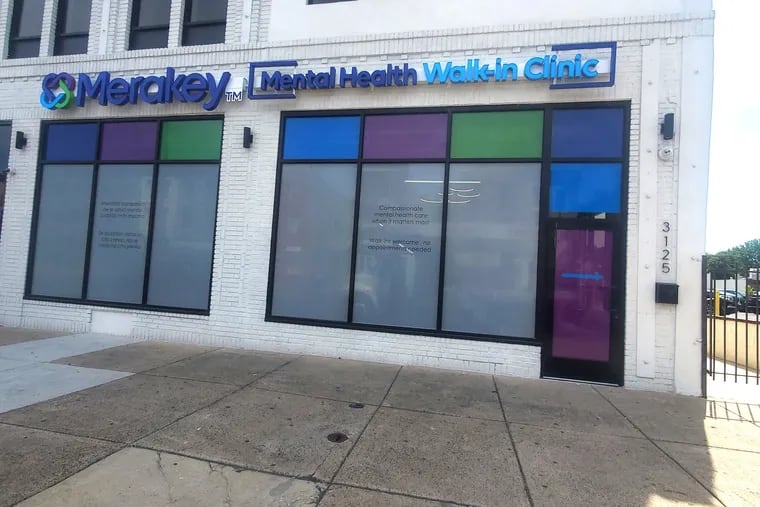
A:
x,y
731,301
753,303
734,298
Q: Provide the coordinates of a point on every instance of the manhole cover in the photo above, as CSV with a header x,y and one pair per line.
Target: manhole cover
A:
x,y
337,437
356,405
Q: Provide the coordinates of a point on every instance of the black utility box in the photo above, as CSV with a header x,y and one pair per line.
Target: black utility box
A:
x,y
666,293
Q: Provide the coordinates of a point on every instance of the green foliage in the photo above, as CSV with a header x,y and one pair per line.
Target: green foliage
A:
x,y
734,261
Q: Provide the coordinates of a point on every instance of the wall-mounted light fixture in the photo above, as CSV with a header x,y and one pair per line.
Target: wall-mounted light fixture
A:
x,y
247,137
20,140
667,129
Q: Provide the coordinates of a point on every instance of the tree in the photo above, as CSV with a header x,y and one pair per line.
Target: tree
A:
x,y
752,253
735,261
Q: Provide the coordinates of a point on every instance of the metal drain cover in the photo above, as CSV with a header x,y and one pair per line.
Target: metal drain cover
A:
x,y
337,437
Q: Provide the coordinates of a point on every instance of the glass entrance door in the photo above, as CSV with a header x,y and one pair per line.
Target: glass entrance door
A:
x,y
583,255
585,341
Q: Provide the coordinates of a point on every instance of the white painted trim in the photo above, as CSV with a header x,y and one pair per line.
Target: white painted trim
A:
x,y
105,24
647,261
47,33
696,97
246,21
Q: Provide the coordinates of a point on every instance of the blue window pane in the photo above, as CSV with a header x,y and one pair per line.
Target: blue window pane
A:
x,y
587,133
71,141
585,188
322,138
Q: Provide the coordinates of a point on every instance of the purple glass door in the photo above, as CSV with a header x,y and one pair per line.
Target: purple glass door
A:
x,y
582,295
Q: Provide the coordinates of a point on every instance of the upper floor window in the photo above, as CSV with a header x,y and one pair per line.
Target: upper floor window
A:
x,y
150,24
73,27
205,22
26,28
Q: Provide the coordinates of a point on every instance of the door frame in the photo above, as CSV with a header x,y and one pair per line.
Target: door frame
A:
x,y
612,372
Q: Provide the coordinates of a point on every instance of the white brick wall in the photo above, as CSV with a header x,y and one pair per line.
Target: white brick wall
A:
x,y
246,191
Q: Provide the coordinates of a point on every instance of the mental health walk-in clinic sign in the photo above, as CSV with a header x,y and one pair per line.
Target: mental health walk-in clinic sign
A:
x,y
567,67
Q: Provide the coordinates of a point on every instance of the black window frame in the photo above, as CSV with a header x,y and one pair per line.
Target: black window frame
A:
x,y
15,38
318,2
187,23
156,163
135,28
61,36
548,224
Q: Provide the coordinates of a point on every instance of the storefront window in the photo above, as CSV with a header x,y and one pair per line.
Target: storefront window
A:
x,y
120,233
433,221
485,224
147,238
491,249
399,245
183,235
314,240
62,216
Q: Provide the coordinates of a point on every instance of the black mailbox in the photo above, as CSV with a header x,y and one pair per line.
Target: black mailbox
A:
x,y
666,293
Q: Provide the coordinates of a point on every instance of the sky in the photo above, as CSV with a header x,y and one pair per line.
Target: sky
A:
x,y
733,209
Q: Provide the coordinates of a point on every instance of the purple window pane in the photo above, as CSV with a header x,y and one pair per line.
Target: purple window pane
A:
x,y
129,141
407,136
582,295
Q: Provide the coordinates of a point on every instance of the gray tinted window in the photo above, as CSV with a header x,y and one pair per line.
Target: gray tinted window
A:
x,y
152,12
149,39
205,22
24,48
74,16
491,249
399,243
314,233
62,221
206,34
207,10
183,236
5,146
150,24
71,45
29,18
119,235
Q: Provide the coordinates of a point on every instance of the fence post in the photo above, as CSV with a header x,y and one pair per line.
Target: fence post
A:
x,y
704,326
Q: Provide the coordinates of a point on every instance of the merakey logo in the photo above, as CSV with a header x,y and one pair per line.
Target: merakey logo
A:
x,y
57,91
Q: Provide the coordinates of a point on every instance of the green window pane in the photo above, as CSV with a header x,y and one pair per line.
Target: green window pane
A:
x,y
511,134
191,140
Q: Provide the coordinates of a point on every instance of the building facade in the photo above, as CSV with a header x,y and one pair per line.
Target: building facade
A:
x,y
486,186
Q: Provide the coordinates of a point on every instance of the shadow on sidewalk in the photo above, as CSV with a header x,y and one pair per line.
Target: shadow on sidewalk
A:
x,y
717,443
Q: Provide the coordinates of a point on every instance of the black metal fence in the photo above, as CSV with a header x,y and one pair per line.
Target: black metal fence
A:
x,y
732,326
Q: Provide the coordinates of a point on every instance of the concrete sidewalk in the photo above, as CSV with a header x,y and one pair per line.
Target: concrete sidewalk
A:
x,y
162,423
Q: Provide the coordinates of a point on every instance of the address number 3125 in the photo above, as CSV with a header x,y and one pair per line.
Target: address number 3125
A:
x,y
666,251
